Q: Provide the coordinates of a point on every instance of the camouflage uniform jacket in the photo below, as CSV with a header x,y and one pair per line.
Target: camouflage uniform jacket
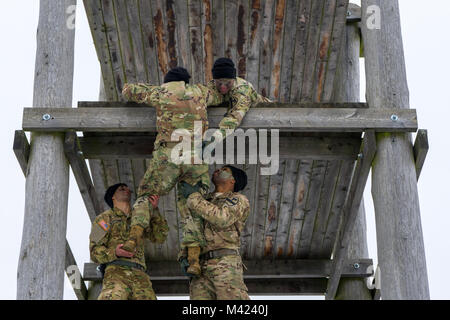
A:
x,y
112,227
177,105
224,217
242,97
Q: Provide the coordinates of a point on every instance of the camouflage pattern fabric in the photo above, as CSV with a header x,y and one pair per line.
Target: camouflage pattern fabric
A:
x,y
112,228
221,279
224,217
242,97
125,283
177,105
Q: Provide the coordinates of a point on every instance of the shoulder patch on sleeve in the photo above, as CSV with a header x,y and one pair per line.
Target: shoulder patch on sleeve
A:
x,y
103,225
232,201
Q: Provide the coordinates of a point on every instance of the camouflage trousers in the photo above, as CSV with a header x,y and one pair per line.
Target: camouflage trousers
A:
x,y
221,279
161,176
125,283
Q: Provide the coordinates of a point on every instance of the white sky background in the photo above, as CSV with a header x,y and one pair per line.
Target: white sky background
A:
x,y
428,67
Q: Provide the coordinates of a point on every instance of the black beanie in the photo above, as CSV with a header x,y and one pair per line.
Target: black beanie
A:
x,y
223,68
240,177
110,192
177,74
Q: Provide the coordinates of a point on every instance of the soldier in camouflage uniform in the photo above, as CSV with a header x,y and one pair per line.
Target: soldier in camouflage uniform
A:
x,y
124,273
238,92
225,212
178,105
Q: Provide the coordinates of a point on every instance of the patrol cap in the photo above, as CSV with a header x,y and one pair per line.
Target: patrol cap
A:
x,y
240,177
110,192
177,74
223,68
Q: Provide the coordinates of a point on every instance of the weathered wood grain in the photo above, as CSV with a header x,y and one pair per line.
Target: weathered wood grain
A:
x,y
400,245
420,150
350,210
195,39
159,21
94,15
81,174
265,59
231,27
255,34
283,119
40,272
243,30
277,48
182,21
207,39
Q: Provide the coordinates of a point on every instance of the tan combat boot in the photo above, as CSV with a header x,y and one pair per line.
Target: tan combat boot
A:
x,y
135,238
194,263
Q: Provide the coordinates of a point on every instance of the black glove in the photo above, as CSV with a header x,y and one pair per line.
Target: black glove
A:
x,y
187,189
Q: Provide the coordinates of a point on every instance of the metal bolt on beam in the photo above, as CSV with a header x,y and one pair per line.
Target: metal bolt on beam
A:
x,y
394,117
356,266
46,117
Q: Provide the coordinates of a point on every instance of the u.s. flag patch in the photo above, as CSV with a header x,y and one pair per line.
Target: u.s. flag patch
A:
x,y
103,224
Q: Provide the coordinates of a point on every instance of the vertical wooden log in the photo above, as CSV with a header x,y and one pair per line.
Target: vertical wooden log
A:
x,y
401,252
40,273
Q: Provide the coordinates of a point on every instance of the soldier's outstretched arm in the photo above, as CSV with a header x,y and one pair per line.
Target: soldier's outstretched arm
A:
x,y
98,242
231,211
140,92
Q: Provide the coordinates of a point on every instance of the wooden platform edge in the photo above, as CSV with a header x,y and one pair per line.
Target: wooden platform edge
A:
x,y
350,210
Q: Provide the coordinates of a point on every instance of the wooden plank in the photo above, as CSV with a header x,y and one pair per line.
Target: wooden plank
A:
x,y
284,119
243,31
182,19
159,21
231,27
149,41
334,217
172,31
324,52
126,176
353,13
109,24
95,18
287,57
350,210
286,206
320,223
311,207
300,49
82,176
138,147
71,267
336,44
277,48
125,32
195,38
255,34
218,28
166,270
136,40
250,193
99,181
111,172
265,52
312,49
322,105
207,39
420,150
21,149
273,211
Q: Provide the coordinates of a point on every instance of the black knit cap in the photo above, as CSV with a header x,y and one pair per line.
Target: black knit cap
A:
x,y
177,74
110,192
240,177
223,68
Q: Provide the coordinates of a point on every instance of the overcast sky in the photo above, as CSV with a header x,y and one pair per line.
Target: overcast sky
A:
x,y
424,29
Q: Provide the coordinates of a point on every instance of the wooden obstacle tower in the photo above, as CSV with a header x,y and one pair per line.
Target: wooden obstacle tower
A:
x,y
306,233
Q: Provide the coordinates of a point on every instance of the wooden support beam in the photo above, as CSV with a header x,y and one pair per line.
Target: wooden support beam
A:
x,y
307,147
350,210
353,13
22,151
81,173
256,269
284,119
420,150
